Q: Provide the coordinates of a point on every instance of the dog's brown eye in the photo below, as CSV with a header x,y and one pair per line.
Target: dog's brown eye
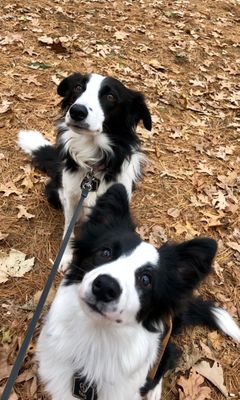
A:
x,y
110,98
78,88
145,281
106,253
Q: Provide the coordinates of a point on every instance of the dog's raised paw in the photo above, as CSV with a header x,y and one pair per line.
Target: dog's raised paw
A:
x,y
156,393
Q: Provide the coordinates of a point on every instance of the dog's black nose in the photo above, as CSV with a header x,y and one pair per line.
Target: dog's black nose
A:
x,y
78,112
105,288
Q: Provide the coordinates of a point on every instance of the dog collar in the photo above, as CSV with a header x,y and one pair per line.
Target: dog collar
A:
x,y
162,348
91,180
81,389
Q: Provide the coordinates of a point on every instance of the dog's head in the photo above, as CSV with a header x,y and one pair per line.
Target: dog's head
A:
x,y
94,104
126,280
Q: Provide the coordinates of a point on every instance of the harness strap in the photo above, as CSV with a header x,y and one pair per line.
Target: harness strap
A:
x,y
162,348
86,188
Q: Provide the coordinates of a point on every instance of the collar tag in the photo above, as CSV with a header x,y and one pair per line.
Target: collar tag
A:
x,y
90,182
82,390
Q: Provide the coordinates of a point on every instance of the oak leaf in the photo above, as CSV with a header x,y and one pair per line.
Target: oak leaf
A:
x,y
24,213
214,374
9,188
14,264
192,389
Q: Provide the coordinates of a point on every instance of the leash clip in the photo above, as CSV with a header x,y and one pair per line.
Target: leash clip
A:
x,y
90,183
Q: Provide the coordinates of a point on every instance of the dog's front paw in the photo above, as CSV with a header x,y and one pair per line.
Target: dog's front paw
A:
x,y
65,262
156,393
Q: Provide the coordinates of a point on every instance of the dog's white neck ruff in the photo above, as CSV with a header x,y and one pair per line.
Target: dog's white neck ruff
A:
x,y
115,357
85,148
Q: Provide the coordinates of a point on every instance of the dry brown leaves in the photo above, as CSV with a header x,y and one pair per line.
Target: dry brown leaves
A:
x,y
192,389
184,57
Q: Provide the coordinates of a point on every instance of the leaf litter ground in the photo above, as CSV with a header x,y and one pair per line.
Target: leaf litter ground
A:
x,y
184,55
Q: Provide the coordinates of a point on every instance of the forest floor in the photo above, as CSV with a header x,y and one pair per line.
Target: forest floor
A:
x,y
185,57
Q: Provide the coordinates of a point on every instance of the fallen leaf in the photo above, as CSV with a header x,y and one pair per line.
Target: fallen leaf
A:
x,y
5,368
5,335
219,200
55,79
25,376
229,180
38,65
120,35
204,169
206,350
157,236
156,65
45,39
215,339
14,264
9,188
234,246
143,231
192,389
13,396
188,359
3,236
214,374
173,212
29,177
10,39
211,219
5,106
24,213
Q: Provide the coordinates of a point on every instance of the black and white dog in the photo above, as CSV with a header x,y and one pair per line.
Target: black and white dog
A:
x,y
104,328
97,134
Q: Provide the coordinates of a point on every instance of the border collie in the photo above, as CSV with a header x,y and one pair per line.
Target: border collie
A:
x,y
103,331
96,135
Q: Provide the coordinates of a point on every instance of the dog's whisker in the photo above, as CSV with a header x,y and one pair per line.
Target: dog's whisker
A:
x,y
78,267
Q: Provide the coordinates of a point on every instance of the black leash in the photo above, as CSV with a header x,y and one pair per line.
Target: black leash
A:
x,y
86,187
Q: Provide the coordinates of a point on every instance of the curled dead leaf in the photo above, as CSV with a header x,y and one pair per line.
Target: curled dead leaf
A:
x,y
213,373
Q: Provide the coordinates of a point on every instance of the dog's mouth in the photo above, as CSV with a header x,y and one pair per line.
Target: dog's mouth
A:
x,y
78,126
82,128
94,307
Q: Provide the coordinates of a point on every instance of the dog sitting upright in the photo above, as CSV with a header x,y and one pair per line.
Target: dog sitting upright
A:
x,y
103,331
97,135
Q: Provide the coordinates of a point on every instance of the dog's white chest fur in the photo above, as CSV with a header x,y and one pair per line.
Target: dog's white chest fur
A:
x,y
117,358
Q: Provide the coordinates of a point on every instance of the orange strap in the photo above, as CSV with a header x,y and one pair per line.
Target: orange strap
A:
x,y
153,370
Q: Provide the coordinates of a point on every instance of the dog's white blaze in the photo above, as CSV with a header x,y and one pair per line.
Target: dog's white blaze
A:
x,y
29,141
86,149
226,323
109,354
123,270
90,99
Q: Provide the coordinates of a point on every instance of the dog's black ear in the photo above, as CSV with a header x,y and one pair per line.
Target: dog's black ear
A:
x,y
112,207
67,84
142,112
190,261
